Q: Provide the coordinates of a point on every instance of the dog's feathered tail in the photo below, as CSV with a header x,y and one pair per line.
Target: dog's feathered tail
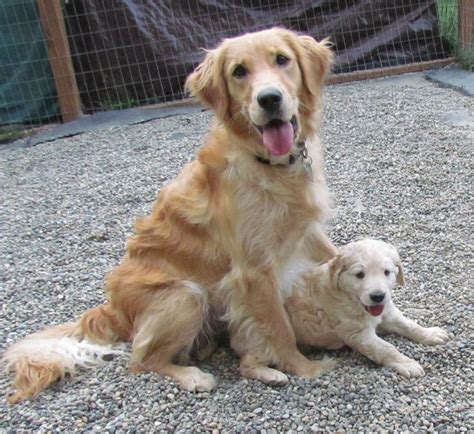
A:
x,y
42,358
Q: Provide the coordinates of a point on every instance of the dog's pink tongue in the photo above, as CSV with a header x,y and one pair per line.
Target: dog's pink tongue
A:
x,y
278,139
375,310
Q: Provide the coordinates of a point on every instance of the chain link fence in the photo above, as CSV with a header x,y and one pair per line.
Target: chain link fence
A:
x,y
64,58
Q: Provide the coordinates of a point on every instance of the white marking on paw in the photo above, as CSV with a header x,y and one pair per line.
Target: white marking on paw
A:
x,y
197,381
409,369
435,336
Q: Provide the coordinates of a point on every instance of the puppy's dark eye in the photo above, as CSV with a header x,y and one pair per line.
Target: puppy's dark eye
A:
x,y
387,272
360,275
281,59
239,71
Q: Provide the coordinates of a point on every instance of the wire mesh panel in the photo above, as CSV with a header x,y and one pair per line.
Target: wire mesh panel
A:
x,y
27,89
127,53
140,52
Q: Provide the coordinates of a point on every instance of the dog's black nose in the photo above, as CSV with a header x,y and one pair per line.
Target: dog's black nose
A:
x,y
377,298
270,99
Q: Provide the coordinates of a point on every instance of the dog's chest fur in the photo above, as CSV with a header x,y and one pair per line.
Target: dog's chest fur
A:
x,y
270,216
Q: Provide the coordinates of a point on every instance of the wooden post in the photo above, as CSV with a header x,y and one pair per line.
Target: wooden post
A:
x,y
60,59
466,24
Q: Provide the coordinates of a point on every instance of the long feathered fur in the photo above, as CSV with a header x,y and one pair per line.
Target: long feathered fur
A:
x,y
215,241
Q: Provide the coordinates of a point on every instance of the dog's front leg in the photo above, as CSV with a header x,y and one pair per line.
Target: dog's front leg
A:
x,y
383,353
262,333
317,245
396,322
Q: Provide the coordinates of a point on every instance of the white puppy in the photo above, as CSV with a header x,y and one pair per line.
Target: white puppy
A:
x,y
345,301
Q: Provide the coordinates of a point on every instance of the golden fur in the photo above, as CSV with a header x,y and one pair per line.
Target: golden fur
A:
x,y
218,237
329,306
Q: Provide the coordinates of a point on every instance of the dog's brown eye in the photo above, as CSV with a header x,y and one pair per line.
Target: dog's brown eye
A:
x,y
387,272
282,59
360,275
239,71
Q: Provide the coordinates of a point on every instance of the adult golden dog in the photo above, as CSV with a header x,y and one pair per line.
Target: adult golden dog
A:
x,y
219,237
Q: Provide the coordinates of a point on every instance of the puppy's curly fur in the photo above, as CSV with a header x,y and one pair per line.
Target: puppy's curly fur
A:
x,y
346,300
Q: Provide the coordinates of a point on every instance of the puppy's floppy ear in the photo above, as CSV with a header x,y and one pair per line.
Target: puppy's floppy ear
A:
x,y
336,266
207,83
315,60
400,275
398,263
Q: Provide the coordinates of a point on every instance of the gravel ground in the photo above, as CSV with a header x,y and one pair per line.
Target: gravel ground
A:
x,y
399,160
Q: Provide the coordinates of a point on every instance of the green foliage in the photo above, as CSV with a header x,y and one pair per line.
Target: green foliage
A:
x,y
120,103
448,20
448,26
465,58
10,133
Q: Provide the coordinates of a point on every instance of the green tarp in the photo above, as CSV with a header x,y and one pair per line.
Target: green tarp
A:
x,y
27,91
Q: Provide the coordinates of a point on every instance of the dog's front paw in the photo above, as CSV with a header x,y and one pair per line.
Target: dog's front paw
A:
x,y
264,374
434,336
272,377
312,368
194,380
409,368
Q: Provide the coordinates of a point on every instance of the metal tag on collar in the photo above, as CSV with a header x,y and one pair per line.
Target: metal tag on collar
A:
x,y
307,162
304,152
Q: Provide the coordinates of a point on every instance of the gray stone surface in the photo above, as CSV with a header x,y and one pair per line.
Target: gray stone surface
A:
x,y
399,166
102,120
454,77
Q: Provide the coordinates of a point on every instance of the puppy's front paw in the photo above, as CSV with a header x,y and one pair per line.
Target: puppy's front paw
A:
x,y
434,336
409,369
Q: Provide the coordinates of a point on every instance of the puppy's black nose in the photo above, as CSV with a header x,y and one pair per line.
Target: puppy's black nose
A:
x,y
270,99
377,298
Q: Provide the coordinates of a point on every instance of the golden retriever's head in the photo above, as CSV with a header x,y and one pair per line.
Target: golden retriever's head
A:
x,y
366,272
265,87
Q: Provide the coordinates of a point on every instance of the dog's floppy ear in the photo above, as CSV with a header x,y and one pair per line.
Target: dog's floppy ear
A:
x,y
315,60
400,274
398,263
207,83
336,266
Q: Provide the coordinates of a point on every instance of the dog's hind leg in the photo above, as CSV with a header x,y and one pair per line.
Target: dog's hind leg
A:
x,y
171,324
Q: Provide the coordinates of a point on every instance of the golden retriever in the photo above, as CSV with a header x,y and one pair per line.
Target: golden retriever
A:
x,y
220,235
345,300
